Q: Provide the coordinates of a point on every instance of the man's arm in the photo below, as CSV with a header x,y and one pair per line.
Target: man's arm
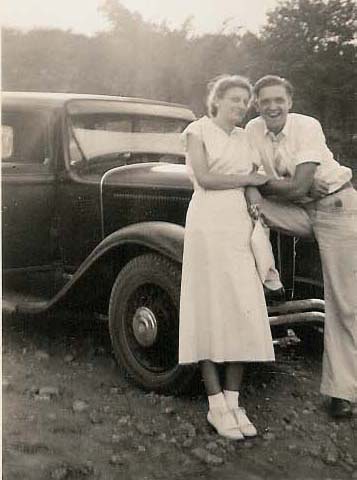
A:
x,y
294,188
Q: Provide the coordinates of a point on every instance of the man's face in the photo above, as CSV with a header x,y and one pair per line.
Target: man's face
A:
x,y
273,104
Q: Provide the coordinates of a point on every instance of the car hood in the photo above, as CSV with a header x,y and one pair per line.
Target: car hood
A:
x,y
152,175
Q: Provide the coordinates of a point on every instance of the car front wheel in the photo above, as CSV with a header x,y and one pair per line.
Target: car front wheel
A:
x,y
144,323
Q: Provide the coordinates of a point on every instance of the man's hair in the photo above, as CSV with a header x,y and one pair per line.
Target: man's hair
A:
x,y
219,86
270,81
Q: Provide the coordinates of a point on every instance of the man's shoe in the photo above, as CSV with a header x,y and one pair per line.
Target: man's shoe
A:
x,y
340,408
224,422
274,297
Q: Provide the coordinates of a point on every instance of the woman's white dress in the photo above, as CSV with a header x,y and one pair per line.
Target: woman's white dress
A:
x,y
223,315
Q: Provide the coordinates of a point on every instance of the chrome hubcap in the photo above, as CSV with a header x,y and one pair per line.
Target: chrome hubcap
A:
x,y
145,326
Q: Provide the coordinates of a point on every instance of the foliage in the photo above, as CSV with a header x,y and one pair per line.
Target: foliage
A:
x,y
311,42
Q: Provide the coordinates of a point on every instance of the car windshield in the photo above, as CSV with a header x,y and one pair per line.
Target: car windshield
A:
x,y
99,133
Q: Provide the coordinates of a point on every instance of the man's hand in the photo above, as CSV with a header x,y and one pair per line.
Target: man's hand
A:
x,y
319,189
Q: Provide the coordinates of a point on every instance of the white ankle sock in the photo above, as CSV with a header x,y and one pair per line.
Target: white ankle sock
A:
x,y
217,401
231,397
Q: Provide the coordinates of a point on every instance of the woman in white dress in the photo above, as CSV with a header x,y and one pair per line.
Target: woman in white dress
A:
x,y
223,315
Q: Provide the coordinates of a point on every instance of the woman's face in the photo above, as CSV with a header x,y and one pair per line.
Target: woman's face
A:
x,y
233,106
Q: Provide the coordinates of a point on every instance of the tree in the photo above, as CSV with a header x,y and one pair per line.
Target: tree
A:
x,y
314,44
311,42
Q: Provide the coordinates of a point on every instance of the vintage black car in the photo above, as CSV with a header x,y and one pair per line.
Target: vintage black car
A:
x,y
94,197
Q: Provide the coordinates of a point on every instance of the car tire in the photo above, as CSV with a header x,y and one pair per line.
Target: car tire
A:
x,y
144,324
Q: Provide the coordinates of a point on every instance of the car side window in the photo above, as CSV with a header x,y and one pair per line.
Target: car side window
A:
x,y
25,138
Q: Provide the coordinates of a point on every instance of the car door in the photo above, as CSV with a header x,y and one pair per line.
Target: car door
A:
x,y
28,188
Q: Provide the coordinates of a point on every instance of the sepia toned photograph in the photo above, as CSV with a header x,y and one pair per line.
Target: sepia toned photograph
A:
x,y
179,239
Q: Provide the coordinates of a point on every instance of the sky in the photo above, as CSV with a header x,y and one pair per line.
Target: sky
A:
x,y
82,16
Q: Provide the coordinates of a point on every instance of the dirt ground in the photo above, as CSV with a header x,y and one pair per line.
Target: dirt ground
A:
x,y
69,413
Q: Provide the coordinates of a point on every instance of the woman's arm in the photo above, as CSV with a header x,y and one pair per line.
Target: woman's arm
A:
x,y
216,181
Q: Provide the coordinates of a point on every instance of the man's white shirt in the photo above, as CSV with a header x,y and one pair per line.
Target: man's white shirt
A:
x,y
301,140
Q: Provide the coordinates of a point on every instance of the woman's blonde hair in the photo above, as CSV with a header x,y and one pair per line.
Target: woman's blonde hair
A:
x,y
219,86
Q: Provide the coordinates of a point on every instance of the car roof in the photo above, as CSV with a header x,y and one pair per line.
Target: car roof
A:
x,y
52,100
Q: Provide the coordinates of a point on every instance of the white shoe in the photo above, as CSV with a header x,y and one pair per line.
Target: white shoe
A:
x,y
224,423
244,424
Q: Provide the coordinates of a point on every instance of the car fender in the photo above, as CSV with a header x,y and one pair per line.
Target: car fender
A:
x,y
162,237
